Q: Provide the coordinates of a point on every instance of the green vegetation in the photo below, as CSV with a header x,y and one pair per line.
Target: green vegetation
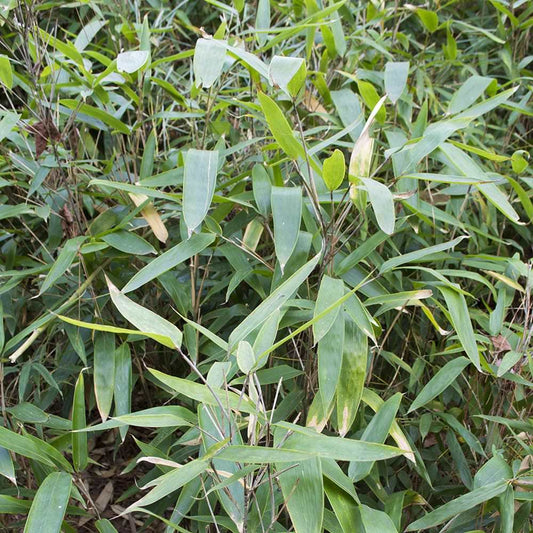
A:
x,y
266,266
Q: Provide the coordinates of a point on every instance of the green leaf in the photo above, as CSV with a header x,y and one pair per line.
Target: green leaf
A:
x,y
266,337
245,357
153,417
144,319
8,122
288,73
170,482
439,382
262,21
49,504
170,259
458,506
28,447
396,73
460,318
352,377
98,114
494,470
333,170
273,302
376,521
6,466
342,505
376,431
105,526
382,204
62,263
262,188
280,128
208,62
132,61
468,93
519,161
80,456
371,98
6,72
147,162
428,18
341,449
123,383
395,262
87,33
302,488
162,339
129,243
13,506
199,181
287,213
104,371
508,361
203,394
330,356
329,292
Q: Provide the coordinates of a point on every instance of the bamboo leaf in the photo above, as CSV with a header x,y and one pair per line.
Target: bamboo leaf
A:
x,y
49,504
199,180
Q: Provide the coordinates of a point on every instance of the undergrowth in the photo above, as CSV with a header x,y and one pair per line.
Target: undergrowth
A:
x,y
266,266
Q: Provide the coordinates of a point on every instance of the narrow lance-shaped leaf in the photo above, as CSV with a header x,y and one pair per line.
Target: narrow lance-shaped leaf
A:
x,y
330,355
170,259
62,263
458,506
329,292
395,262
302,488
49,504
382,204
123,383
273,302
104,371
376,431
80,456
199,180
352,377
6,72
287,213
440,381
376,521
395,79
460,317
280,128
144,319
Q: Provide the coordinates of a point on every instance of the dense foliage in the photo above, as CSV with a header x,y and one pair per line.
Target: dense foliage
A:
x,y
265,266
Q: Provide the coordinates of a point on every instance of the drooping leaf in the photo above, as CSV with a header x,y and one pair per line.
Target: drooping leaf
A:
x,y
395,79
287,213
199,180
208,61
104,371
144,319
